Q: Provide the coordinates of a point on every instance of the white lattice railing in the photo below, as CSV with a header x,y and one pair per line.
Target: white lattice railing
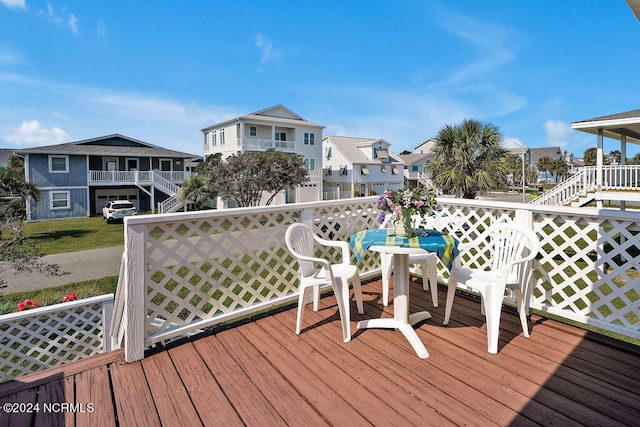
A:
x,y
41,338
187,271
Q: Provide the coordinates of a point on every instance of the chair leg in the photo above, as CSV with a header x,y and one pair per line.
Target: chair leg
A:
x,y
301,304
387,264
341,291
429,271
522,310
492,300
316,297
357,290
451,293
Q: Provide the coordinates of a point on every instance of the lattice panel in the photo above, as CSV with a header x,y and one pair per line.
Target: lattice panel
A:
x,y
204,268
339,222
199,269
589,266
47,339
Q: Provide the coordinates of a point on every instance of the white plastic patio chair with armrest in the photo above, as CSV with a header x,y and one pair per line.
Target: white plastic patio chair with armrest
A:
x,y
427,261
314,272
511,251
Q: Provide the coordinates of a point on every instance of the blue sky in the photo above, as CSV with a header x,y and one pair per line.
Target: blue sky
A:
x,y
159,71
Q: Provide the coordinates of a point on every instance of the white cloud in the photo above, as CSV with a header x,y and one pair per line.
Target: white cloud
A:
x,y
73,23
32,133
559,133
102,29
88,112
268,51
60,18
14,4
493,45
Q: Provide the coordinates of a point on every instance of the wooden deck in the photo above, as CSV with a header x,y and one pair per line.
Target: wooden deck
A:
x,y
260,373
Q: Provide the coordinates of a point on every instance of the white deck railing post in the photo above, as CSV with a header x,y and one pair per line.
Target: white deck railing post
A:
x,y
135,239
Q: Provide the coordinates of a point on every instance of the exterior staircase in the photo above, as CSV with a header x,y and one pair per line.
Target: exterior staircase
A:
x,y
581,188
170,204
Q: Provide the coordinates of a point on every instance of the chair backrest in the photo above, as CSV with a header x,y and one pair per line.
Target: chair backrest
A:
x,y
511,242
299,240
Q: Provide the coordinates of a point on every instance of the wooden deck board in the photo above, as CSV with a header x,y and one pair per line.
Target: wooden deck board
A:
x,y
207,396
171,399
243,394
134,403
262,373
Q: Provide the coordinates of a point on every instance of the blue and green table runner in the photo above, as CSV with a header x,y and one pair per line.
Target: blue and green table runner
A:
x,y
443,244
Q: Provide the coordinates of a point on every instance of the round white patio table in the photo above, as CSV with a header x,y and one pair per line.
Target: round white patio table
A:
x,y
402,320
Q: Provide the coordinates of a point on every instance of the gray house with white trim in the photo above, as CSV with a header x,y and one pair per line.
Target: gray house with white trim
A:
x,y
76,179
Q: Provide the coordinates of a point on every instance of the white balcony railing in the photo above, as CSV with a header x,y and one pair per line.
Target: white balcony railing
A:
x,y
129,177
187,271
265,144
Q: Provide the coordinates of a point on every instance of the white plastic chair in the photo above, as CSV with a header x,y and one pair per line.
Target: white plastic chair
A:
x,y
511,249
427,261
300,240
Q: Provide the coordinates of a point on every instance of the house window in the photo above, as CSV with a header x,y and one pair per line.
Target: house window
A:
x,y
383,169
110,164
381,153
309,138
58,164
253,131
364,170
310,164
414,168
213,138
60,200
221,136
394,170
281,136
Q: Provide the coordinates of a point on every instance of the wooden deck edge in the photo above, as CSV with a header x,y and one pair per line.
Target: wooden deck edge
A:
x,y
52,374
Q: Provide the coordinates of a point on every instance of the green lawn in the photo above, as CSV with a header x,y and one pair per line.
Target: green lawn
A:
x,y
54,295
68,235
77,234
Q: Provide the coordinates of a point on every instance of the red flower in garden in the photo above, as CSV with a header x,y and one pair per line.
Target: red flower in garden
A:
x,y
71,297
27,304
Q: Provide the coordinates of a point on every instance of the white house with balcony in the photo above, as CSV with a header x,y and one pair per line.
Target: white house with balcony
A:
x,y
359,167
596,184
76,179
276,128
415,169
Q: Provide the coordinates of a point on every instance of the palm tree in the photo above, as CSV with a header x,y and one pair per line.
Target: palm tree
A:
x,y
467,158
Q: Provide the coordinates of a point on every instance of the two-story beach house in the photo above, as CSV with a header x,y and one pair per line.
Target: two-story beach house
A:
x,y
276,128
415,169
77,179
357,167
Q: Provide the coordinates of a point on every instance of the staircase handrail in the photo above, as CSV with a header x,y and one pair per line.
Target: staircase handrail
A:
x,y
169,205
161,181
570,189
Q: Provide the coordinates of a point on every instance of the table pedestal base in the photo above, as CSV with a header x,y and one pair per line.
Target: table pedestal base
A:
x,y
406,329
